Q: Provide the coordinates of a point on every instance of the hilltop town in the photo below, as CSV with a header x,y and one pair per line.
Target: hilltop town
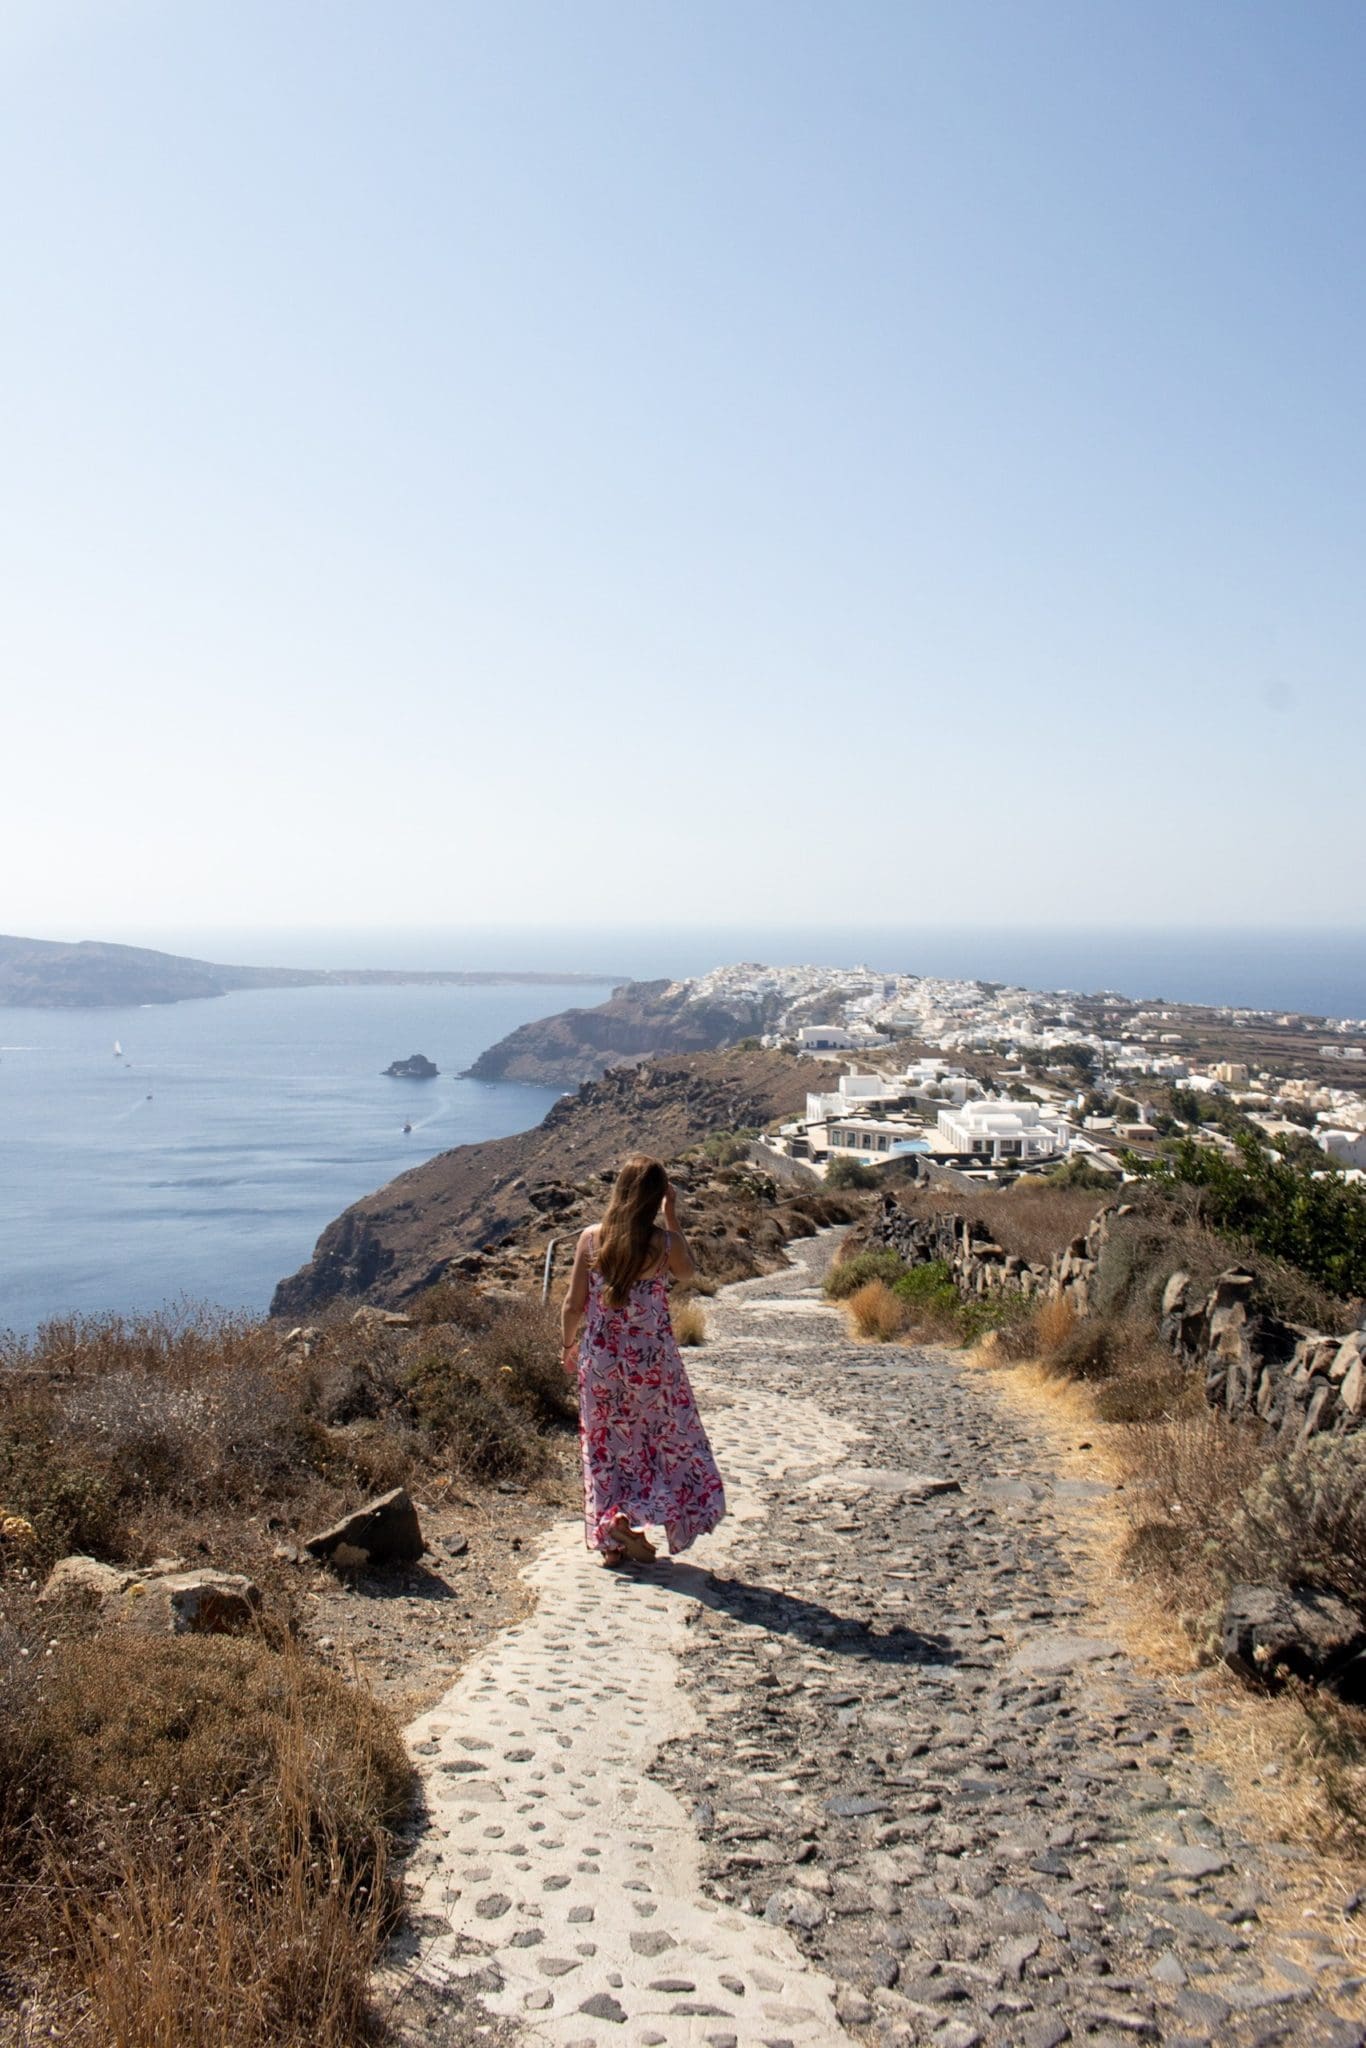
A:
x,y
988,1076
981,1076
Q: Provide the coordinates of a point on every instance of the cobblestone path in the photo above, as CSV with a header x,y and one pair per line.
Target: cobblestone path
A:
x,y
859,1767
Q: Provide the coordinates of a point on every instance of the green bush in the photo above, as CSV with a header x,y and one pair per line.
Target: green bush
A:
x,y
728,1148
850,1274
929,1287
850,1173
1313,1219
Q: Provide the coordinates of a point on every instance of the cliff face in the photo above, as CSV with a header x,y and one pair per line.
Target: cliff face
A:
x,y
453,1208
639,1019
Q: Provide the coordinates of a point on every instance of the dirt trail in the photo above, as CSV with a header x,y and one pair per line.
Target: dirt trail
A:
x,y
863,1765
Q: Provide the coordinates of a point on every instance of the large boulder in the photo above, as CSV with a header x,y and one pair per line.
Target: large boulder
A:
x,y
384,1531
1271,1633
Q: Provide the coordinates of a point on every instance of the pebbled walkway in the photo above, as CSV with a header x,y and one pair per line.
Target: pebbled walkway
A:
x,y
860,1766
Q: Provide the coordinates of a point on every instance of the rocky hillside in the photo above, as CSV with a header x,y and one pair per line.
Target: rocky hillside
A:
x,y
470,1209
641,1018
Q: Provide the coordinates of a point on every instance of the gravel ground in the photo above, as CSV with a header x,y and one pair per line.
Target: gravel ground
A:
x,y
920,1752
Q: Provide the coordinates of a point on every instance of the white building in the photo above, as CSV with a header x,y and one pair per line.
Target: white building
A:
x,y
826,1038
1005,1130
851,1093
1348,1148
870,1138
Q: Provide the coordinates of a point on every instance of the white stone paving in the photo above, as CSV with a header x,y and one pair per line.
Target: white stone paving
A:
x,y
550,1855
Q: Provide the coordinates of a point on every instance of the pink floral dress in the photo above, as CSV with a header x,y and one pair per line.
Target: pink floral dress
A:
x,y
645,1452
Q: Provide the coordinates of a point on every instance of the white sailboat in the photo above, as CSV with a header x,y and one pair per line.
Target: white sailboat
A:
x,y
118,1050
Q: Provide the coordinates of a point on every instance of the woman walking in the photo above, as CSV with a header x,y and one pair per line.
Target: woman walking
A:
x,y
646,1459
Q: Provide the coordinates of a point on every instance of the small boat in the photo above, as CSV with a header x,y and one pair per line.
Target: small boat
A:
x,y
118,1050
406,1129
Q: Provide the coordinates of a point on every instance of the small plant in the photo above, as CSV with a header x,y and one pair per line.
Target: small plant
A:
x,y
850,1173
690,1324
877,1311
1053,1322
846,1276
929,1294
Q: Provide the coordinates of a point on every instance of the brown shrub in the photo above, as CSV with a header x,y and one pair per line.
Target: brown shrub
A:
x,y
1031,1219
1146,1392
117,1430
877,1312
1051,1325
1090,1351
1188,1473
1303,1519
690,1324
1142,1252
210,1820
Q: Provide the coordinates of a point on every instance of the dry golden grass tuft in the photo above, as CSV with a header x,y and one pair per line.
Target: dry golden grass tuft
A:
x,y
194,1836
877,1312
1053,1322
689,1322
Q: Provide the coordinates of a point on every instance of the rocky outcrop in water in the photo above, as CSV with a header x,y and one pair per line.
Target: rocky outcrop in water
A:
x,y
417,1067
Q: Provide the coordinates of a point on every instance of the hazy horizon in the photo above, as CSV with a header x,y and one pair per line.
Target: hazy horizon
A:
x,y
1320,970
901,460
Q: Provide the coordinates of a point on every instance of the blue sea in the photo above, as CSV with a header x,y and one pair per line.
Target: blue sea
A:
x,y
205,1160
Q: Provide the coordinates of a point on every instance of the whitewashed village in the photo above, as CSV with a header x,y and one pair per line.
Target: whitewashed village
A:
x,y
989,1082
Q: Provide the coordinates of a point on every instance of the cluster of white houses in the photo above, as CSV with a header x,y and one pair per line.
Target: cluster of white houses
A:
x,y
926,1108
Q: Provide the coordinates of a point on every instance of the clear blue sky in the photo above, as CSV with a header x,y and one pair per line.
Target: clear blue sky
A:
x,y
728,460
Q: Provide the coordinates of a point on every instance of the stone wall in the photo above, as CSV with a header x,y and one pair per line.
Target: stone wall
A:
x,y
1299,1381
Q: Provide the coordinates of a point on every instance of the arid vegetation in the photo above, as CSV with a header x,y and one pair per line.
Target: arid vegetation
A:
x,y
194,1831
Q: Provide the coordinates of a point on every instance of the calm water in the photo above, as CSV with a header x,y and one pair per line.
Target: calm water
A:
x,y
269,1113
207,1159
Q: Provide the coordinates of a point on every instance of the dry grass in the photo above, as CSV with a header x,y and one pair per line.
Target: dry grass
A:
x,y
877,1312
1052,1325
193,1836
118,1433
1145,1249
1295,1763
689,1322
1030,1219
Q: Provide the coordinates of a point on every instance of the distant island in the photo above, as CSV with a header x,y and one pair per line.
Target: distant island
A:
x,y
417,1067
48,974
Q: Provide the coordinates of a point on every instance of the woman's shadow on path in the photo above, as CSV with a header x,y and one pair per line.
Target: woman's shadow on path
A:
x,y
787,1614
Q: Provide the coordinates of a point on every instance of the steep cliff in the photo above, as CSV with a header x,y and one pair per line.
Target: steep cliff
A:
x,y
640,1018
407,1235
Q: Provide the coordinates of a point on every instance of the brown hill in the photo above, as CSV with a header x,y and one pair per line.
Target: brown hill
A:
x,y
641,1018
409,1234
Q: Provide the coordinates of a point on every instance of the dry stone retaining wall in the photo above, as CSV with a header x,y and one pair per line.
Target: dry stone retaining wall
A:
x,y
1301,1381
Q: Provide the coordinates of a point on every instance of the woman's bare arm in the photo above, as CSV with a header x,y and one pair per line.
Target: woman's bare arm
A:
x,y
575,1301
682,1264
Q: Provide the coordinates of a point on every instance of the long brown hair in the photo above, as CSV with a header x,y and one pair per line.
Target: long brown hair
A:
x,y
626,1233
